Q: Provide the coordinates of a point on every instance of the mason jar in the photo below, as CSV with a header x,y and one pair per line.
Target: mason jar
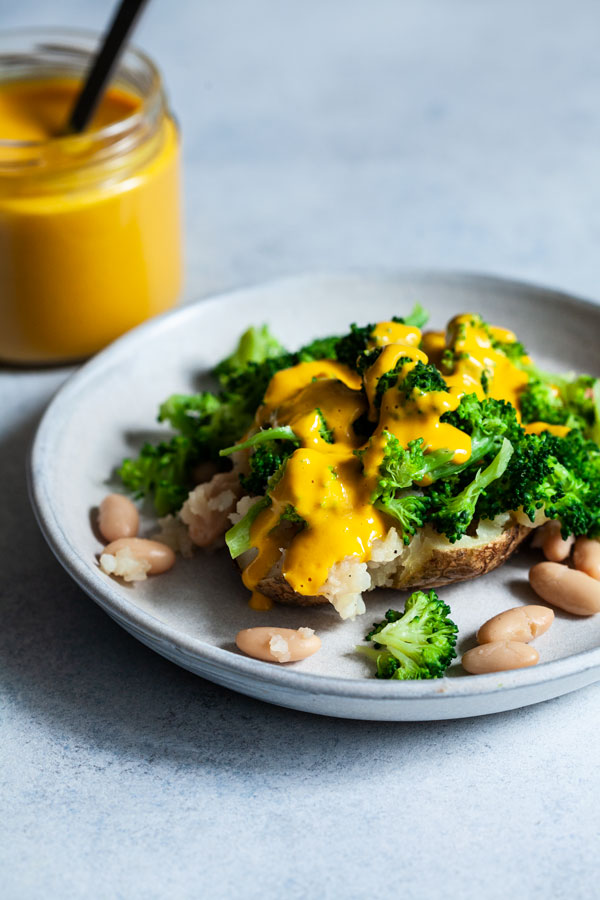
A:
x,y
90,224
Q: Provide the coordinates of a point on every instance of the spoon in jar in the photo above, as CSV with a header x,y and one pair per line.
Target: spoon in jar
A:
x,y
103,64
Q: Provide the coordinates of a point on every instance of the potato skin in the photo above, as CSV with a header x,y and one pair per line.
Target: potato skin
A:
x,y
441,567
460,564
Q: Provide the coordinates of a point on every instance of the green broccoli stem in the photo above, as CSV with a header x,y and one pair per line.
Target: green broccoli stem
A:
x,y
284,433
238,536
453,515
496,468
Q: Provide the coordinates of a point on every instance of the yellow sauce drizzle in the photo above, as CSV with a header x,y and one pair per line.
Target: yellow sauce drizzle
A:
x,y
538,427
324,481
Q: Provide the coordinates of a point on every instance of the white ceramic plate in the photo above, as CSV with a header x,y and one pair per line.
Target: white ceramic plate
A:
x,y
191,614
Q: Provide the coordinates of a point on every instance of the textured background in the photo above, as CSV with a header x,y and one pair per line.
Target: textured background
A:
x,y
316,135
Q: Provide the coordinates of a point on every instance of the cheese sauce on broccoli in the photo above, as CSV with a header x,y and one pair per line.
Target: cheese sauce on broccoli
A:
x,y
327,483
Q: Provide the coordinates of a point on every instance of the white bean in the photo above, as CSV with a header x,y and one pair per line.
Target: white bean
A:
x,y
278,644
499,656
117,518
523,623
566,588
159,556
586,557
555,547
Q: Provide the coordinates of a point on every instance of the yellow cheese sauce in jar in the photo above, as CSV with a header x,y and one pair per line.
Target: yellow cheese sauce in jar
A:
x,y
90,224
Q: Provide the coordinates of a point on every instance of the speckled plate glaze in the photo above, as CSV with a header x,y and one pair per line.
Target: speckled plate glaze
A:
x,y
191,614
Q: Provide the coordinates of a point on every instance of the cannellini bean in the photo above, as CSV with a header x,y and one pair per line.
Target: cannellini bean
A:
x,y
160,557
555,547
566,588
117,518
523,623
499,656
278,644
586,557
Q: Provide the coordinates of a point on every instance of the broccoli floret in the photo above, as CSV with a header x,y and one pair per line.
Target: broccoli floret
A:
x,y
163,470
265,463
210,422
421,379
272,446
248,385
487,422
409,511
389,379
238,536
254,346
418,643
453,515
291,514
321,348
560,474
400,467
349,347
514,350
562,400
540,403
206,423
367,359
417,317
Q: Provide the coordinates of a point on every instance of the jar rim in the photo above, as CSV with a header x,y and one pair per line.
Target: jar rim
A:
x,y
70,35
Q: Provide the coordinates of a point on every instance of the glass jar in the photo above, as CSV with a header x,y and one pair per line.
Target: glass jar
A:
x,y
90,224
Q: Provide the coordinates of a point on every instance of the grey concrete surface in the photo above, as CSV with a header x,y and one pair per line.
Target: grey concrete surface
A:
x,y
316,135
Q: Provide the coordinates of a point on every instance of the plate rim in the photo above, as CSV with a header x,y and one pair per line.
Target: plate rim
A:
x,y
124,610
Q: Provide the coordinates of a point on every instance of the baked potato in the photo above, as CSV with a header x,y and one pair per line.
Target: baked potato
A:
x,y
430,561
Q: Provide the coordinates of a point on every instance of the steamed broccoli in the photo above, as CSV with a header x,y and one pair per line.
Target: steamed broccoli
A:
x,y
540,402
265,463
421,379
205,423
400,467
410,512
417,317
272,446
163,470
254,346
291,514
487,422
350,347
568,400
353,345
514,350
452,515
418,643
321,348
560,474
